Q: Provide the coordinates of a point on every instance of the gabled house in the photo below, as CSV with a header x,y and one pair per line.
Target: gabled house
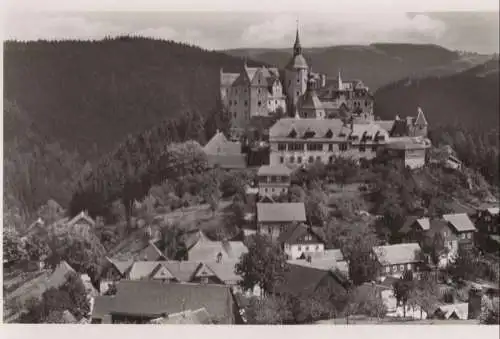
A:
x,y
223,153
113,270
396,259
464,228
142,301
274,219
301,240
273,180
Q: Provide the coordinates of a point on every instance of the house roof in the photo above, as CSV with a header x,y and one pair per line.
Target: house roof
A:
x,y
460,310
299,279
283,127
371,129
142,269
404,143
274,170
220,145
227,79
493,210
102,306
59,275
183,271
201,248
286,212
81,216
325,264
397,254
151,253
188,317
309,100
292,234
225,270
121,265
154,298
408,223
227,161
461,222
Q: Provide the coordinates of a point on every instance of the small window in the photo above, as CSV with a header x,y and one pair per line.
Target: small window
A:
x,y
299,160
311,159
246,103
462,235
282,159
265,190
272,190
307,248
300,248
330,147
298,93
445,234
259,103
292,159
401,267
317,247
469,236
388,269
408,267
362,148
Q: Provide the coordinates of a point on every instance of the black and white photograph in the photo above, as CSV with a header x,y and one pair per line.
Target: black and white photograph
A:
x,y
302,165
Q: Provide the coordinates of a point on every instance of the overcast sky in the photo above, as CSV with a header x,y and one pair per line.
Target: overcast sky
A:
x,y
473,31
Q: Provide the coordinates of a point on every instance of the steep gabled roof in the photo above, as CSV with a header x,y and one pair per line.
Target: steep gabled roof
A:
x,y
227,79
142,269
81,216
460,221
59,275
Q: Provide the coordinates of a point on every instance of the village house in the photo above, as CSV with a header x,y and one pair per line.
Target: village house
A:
x,y
394,260
273,180
328,260
274,219
487,220
112,271
224,153
463,227
301,240
139,302
411,151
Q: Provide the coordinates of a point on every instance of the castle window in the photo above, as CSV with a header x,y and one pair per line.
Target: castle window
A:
x,y
362,148
329,134
374,148
298,93
258,91
298,80
282,159
246,103
299,160
311,159
276,102
234,113
259,103
292,159
281,147
330,147
330,159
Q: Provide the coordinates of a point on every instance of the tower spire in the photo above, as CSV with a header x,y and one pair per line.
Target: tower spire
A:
x,y
297,48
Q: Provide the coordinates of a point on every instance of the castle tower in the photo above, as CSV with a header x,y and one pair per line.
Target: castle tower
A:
x,y
296,74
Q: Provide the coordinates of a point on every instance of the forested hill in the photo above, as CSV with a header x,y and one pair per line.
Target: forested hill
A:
x,y
376,64
89,95
468,98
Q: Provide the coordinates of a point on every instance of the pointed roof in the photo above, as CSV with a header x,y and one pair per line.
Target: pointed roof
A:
x,y
82,215
339,81
297,48
420,118
162,273
310,99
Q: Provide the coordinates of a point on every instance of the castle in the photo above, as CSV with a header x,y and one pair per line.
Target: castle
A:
x,y
319,119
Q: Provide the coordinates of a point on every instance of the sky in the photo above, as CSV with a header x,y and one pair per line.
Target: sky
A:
x,y
225,28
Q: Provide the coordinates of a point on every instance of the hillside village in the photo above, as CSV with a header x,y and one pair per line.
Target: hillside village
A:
x,y
306,208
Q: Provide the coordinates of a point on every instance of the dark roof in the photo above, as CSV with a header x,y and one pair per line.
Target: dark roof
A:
x,y
276,212
407,224
291,235
297,62
102,306
229,161
155,299
302,279
283,127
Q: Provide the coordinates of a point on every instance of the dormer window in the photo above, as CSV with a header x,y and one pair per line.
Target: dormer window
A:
x,y
309,134
329,134
219,257
293,133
